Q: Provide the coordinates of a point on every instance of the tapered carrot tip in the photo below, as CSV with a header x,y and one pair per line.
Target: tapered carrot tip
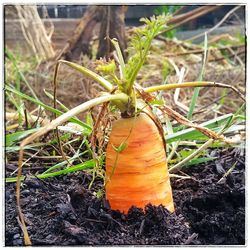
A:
x,y
137,175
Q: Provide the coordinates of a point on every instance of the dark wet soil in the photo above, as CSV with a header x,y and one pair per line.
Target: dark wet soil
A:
x,y
62,211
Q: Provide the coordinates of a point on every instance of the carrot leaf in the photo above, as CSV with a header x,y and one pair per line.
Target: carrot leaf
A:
x,y
139,46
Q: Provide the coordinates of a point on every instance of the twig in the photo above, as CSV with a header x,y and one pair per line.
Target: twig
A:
x,y
179,10
236,57
191,238
199,51
190,16
227,173
55,106
180,176
217,25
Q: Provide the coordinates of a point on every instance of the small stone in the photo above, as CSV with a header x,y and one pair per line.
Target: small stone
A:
x,y
49,237
17,242
25,192
16,236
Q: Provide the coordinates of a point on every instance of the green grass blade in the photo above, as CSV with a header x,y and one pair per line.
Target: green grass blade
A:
x,y
20,74
192,134
199,161
82,166
200,78
196,135
63,163
52,98
12,149
36,145
15,137
56,111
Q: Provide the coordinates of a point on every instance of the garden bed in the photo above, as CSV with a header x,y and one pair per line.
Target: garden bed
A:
x,y
210,210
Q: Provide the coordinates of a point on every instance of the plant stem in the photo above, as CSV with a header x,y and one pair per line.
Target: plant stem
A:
x,y
51,97
192,84
106,84
179,85
120,57
81,108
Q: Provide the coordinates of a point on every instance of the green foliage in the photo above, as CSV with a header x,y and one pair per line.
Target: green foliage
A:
x,y
167,9
16,63
108,69
139,46
16,69
199,161
193,134
17,136
100,194
138,50
121,147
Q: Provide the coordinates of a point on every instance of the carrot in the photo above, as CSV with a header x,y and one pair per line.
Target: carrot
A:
x,y
138,174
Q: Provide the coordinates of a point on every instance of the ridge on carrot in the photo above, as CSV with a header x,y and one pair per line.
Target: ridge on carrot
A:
x,y
136,161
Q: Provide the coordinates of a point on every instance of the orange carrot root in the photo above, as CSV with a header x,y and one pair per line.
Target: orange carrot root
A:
x,y
138,175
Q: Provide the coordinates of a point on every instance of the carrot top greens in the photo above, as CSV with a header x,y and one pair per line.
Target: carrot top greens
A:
x,y
138,49
140,45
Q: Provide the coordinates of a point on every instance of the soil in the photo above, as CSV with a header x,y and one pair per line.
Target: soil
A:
x,y
210,210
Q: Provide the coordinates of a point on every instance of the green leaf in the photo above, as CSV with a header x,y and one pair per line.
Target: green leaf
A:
x,y
17,136
158,102
89,120
139,46
17,148
121,147
199,161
